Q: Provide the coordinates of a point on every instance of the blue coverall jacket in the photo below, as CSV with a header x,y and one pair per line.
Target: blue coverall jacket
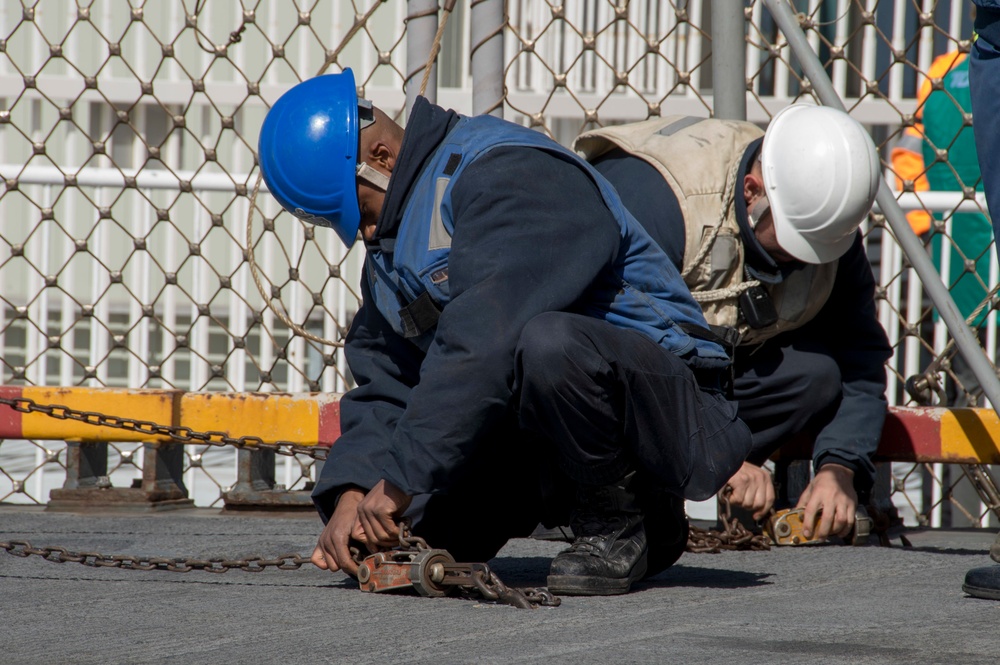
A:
x,y
528,233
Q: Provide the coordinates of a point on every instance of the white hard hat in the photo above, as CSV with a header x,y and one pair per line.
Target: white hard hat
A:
x,y
821,174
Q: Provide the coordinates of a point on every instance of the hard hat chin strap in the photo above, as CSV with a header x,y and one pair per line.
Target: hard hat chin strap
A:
x,y
758,210
372,176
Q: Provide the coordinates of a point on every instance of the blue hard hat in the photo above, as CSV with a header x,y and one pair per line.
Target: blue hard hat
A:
x,y
308,152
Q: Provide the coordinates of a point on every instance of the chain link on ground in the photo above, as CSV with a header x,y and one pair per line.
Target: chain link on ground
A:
x,y
58,554
732,536
484,582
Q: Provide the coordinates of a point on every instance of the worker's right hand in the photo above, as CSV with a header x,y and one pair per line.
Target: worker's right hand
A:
x,y
380,513
753,490
333,551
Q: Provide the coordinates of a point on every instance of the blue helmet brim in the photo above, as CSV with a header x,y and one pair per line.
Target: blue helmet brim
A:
x,y
308,152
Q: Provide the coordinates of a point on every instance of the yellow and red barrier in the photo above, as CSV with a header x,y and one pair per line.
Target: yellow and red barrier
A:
x,y
306,419
938,434
911,434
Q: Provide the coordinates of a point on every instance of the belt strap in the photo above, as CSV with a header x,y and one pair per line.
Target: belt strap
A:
x,y
419,316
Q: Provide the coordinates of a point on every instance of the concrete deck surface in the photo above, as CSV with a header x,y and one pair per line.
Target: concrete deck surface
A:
x,y
827,604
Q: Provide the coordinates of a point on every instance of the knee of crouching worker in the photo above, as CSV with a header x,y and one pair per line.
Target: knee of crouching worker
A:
x,y
820,382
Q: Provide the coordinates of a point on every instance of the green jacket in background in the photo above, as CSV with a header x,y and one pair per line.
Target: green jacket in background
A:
x,y
971,233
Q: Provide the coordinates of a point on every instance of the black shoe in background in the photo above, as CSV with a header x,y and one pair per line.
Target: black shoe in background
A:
x,y
983,582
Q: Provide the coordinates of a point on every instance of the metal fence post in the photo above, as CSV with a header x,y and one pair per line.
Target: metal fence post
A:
x,y
488,20
729,102
421,26
729,67
86,464
88,486
966,342
255,486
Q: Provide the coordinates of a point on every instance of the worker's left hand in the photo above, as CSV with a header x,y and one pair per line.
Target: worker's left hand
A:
x,y
333,550
831,496
753,490
379,513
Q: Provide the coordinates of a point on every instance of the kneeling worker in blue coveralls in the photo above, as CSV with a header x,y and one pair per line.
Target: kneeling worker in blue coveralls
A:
x,y
763,228
524,353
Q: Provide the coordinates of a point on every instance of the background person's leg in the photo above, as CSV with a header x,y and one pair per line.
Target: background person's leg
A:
x,y
984,88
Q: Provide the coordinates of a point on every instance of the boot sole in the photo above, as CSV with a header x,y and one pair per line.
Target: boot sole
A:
x,y
981,592
591,585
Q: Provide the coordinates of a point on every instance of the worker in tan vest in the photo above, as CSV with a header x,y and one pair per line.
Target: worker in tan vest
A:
x,y
764,229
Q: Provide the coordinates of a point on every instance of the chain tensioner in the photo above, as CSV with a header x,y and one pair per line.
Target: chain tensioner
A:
x,y
434,573
781,527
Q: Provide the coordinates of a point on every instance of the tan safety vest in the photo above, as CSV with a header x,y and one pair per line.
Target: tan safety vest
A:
x,y
699,158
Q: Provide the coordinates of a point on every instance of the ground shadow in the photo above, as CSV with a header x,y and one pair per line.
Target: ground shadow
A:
x,y
168,577
914,539
528,571
532,572
931,549
714,578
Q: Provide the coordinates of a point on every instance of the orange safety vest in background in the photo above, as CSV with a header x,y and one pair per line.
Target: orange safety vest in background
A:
x,y
907,155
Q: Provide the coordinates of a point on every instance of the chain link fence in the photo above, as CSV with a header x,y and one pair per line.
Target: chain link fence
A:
x,y
900,72
127,146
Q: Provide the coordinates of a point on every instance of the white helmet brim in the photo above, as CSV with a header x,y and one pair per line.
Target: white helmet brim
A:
x,y
821,175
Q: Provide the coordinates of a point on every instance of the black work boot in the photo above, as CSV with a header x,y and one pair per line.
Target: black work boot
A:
x,y
666,525
609,552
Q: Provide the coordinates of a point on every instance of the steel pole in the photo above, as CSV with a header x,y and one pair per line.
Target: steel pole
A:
x,y
966,342
421,26
729,55
487,20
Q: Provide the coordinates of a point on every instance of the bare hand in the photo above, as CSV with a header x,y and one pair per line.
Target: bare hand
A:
x,y
832,492
332,551
379,513
752,490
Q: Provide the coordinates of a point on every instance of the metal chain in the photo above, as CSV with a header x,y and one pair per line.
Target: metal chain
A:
x,y
490,587
477,578
24,549
176,432
733,536
484,581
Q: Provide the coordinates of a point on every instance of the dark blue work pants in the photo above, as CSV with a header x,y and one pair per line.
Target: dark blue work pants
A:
x,y
591,402
783,387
